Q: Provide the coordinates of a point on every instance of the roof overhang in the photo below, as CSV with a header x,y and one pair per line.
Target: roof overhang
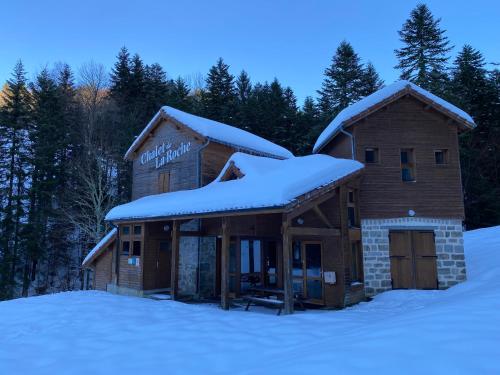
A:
x,y
311,195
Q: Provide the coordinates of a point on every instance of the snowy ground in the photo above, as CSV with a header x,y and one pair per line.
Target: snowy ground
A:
x,y
453,331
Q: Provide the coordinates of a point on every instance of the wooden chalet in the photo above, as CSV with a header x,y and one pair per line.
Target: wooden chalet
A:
x,y
219,213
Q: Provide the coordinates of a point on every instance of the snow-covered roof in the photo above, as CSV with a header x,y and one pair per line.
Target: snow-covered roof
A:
x,y
100,247
213,130
385,93
266,183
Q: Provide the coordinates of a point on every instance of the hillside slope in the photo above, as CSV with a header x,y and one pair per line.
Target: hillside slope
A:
x,y
452,331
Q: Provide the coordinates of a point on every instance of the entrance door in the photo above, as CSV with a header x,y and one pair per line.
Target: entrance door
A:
x,y
163,268
307,270
413,260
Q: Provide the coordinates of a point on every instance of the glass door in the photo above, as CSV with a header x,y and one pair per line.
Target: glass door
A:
x,y
313,271
307,270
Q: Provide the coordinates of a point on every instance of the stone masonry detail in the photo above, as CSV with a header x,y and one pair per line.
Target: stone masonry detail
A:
x,y
449,250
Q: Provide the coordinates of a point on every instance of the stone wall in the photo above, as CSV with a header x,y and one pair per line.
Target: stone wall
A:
x,y
207,278
449,250
188,260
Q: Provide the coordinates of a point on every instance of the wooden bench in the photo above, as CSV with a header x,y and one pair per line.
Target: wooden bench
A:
x,y
266,302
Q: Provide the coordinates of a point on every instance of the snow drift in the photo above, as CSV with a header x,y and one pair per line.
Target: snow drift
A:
x,y
454,331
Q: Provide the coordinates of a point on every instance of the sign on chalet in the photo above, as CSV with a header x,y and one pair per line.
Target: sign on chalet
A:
x,y
219,213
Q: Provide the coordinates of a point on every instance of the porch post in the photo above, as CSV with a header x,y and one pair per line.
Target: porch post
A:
x,y
287,267
174,273
224,288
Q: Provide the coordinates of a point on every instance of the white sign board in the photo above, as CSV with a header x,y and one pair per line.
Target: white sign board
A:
x,y
330,277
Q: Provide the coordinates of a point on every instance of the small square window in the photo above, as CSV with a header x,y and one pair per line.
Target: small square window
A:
x,y
371,155
125,247
126,230
137,230
137,249
440,156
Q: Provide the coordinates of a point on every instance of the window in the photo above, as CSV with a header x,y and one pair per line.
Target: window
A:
x,y
164,182
136,251
407,165
441,156
351,210
126,230
137,230
125,247
371,155
356,262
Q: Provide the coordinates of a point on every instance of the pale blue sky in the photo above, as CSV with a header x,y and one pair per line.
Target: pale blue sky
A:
x,y
291,40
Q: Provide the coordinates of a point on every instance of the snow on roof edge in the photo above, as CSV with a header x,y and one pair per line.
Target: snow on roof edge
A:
x,y
374,99
108,237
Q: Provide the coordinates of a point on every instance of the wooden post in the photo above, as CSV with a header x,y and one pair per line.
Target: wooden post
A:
x,y
224,288
344,235
287,267
174,273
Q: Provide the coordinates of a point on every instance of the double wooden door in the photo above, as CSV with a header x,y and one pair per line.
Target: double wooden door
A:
x,y
413,259
307,270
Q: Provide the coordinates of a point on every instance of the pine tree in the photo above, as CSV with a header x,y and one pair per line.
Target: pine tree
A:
x,y
219,97
425,51
14,127
178,96
121,77
309,118
371,81
343,82
473,90
156,87
243,109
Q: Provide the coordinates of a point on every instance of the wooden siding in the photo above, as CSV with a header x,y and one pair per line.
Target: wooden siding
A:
x,y
214,157
103,265
183,171
339,147
407,123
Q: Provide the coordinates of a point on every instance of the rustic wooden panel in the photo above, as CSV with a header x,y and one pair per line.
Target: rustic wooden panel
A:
x,y
339,147
214,157
103,269
333,262
425,260
401,260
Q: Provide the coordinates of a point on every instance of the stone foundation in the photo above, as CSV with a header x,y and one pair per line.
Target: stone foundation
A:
x,y
449,250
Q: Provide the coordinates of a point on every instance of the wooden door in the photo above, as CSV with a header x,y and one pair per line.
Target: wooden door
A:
x,y
425,260
163,268
413,260
401,260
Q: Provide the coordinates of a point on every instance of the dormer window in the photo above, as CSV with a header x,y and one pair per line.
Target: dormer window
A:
x,y
232,173
371,155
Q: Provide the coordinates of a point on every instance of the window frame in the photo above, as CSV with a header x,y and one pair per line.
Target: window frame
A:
x,y
444,151
357,263
376,154
132,237
411,163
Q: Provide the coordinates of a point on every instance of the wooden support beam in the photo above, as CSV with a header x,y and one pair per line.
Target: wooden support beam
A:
x,y
174,273
287,266
224,288
322,216
308,205
308,231
344,231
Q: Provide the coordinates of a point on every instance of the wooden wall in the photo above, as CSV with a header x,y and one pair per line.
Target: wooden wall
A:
x,y
214,157
102,270
407,123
